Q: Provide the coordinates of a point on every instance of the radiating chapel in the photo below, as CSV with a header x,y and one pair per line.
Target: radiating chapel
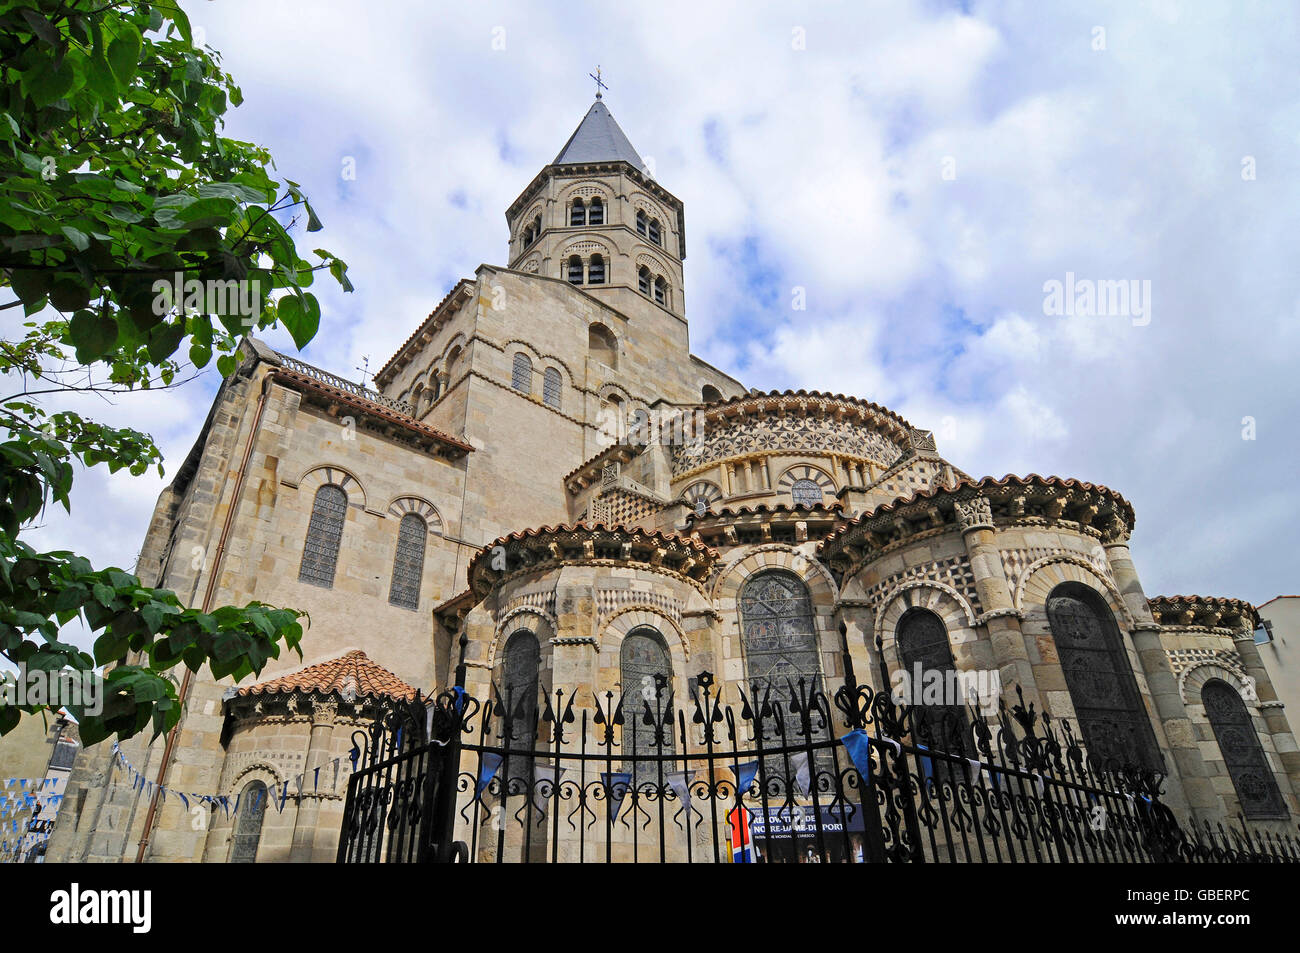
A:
x,y
545,479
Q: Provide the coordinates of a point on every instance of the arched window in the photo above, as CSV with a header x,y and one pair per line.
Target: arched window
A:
x,y
248,823
417,398
521,377
552,384
575,270
938,718
435,388
661,291
640,223
654,232
520,678
805,493
596,215
710,394
602,345
408,564
452,357
644,666
537,227
578,213
320,553
1116,727
528,236
1243,756
643,280
779,637
596,270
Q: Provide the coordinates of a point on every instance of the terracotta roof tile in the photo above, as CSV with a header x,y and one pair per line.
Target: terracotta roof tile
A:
x,y
353,671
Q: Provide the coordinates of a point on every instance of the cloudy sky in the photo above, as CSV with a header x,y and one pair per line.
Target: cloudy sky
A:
x,y
921,170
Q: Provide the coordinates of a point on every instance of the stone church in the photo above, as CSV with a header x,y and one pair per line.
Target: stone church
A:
x,y
544,478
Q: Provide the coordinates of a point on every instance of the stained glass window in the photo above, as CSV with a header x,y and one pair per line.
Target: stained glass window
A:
x,y
324,534
520,676
248,823
551,386
408,564
642,657
521,378
926,658
1242,754
806,493
1116,727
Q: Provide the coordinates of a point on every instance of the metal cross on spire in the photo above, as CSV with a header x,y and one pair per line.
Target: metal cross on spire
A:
x,y
599,84
364,368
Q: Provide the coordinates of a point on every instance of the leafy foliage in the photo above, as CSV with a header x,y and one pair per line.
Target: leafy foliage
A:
x,y
139,241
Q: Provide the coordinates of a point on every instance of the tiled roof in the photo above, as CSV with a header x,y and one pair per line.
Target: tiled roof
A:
x,y
353,672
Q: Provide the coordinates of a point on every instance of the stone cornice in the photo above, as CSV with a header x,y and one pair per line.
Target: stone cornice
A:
x,y
971,505
532,550
1207,611
440,315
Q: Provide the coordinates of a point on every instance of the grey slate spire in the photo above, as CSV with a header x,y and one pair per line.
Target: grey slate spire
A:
x,y
598,139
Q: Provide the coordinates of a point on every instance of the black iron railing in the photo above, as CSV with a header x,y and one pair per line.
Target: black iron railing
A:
x,y
784,773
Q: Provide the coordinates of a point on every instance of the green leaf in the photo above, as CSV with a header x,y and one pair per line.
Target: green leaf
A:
x,y
93,335
124,53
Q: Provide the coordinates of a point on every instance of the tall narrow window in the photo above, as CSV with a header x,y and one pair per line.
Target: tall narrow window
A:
x,y
1243,755
654,232
644,663
596,270
640,223
528,236
926,659
320,553
780,640
537,228
520,678
521,377
643,280
661,291
578,213
1116,727
552,384
248,823
575,270
408,564
596,214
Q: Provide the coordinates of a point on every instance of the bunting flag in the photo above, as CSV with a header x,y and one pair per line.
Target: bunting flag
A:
x,y
617,784
858,744
284,793
486,772
545,772
802,773
315,784
745,774
926,764
679,783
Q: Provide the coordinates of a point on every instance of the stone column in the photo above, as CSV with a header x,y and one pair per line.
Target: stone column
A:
x,y
1270,708
323,712
1000,617
1189,766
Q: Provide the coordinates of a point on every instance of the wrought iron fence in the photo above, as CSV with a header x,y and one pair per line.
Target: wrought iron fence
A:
x,y
784,773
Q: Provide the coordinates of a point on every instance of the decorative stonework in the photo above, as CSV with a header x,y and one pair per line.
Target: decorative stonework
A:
x,y
783,433
955,573
1015,561
421,508
610,601
974,513
1204,611
552,546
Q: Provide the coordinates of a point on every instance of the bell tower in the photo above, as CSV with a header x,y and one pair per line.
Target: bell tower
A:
x,y
596,218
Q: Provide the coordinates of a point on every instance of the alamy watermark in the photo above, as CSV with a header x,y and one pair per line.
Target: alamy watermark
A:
x,y
931,686
1086,297
232,296
643,428
58,688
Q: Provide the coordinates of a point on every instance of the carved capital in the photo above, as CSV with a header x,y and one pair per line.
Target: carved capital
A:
x,y
975,513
